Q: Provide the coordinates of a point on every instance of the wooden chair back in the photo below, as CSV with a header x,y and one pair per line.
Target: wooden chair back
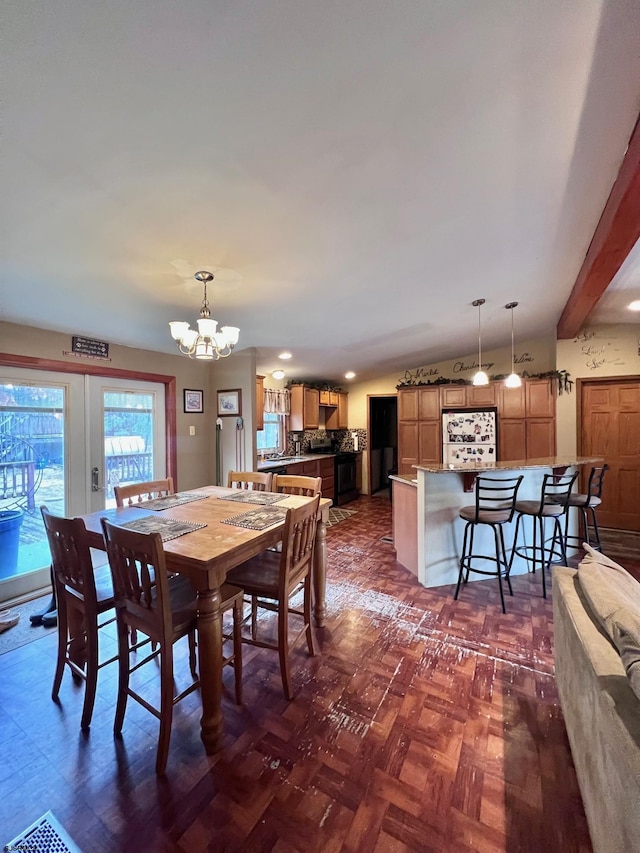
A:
x,y
83,593
259,481
298,543
138,492
295,484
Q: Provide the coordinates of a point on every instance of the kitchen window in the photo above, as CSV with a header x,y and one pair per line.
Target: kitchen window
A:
x,y
271,438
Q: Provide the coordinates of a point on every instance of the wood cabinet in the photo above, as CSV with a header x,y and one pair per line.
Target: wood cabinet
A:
x,y
540,399
429,442
328,398
338,417
511,403
408,404
305,408
408,432
453,396
526,419
259,402
323,467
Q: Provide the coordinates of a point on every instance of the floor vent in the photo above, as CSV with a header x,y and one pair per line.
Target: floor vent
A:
x,y
46,835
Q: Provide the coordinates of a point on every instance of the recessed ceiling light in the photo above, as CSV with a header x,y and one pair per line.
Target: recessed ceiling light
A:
x,y
634,306
278,374
284,355
350,375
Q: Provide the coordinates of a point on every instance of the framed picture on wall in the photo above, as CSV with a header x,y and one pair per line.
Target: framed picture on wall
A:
x,y
193,401
230,403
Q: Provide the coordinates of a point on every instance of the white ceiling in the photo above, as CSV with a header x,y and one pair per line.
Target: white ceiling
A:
x,y
354,173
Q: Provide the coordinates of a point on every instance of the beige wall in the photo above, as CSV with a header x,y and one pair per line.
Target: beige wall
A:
x,y
195,454
238,446
597,351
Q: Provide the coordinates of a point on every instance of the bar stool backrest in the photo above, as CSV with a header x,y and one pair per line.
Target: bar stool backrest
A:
x,y
556,489
596,478
496,496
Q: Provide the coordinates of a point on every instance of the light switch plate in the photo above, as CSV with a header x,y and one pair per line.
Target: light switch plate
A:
x,y
192,430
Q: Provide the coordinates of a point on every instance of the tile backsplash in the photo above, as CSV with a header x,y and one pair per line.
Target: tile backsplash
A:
x,y
342,439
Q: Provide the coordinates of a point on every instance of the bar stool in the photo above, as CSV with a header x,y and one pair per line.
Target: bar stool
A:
x,y
495,505
554,498
588,501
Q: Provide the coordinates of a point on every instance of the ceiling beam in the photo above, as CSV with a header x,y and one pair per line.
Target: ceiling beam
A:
x,y
617,232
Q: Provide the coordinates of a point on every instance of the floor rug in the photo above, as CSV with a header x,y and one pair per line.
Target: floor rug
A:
x,y
337,515
24,632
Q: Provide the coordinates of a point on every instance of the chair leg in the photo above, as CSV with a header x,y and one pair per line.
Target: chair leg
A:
x,y
514,545
499,567
283,646
472,530
92,674
166,707
462,558
237,648
507,567
596,532
254,617
63,632
307,615
123,676
192,654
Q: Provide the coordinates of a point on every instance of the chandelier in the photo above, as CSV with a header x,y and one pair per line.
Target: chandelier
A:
x,y
206,344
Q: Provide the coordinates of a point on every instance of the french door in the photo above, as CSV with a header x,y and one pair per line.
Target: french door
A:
x,y
65,441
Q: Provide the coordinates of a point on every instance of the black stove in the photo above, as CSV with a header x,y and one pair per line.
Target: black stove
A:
x,y
344,469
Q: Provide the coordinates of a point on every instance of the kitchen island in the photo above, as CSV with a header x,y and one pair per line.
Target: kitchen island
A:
x,y
440,492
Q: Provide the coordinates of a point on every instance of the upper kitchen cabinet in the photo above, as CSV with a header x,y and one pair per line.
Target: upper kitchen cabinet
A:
x,y
540,399
259,402
511,404
482,395
429,404
453,396
407,404
328,398
337,417
305,408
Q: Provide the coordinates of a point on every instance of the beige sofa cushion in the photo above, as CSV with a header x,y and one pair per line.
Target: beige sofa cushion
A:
x,y
614,598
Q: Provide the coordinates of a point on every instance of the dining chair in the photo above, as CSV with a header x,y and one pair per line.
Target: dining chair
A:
x,y
146,600
296,484
495,502
259,481
134,493
551,504
272,579
83,593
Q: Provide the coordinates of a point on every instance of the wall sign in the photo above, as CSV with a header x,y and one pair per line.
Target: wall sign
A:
x,y
90,348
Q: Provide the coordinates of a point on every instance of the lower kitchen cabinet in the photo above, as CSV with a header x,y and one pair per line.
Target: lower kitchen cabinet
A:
x,y
317,468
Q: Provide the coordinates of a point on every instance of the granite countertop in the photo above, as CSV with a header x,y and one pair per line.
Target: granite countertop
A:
x,y
268,464
514,465
404,478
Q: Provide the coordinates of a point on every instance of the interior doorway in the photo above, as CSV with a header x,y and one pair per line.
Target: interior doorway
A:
x,y
383,442
609,426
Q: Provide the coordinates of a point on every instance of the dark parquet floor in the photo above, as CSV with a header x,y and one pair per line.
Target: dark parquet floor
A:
x,y
424,724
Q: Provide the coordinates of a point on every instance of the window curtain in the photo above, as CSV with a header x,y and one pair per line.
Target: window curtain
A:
x,y
277,402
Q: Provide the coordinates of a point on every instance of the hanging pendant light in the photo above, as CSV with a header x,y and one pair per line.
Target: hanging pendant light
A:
x,y
206,344
481,377
513,380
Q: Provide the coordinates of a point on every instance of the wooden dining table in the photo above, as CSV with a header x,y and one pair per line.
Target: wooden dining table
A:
x,y
205,556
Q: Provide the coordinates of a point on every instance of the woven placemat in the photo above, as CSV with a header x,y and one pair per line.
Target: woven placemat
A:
x,y
257,519
170,501
168,528
251,497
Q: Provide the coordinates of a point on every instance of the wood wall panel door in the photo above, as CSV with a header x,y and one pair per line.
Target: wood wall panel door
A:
x,y
482,395
429,404
407,446
429,442
454,395
540,399
512,403
541,437
610,427
408,404
512,440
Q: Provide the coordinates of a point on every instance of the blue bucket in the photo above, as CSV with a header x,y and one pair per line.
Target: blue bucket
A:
x,y
10,521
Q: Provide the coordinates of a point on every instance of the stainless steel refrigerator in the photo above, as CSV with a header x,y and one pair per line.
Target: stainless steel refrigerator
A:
x,y
469,436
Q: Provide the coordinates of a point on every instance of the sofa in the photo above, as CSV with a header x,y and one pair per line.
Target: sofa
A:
x,y
596,612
